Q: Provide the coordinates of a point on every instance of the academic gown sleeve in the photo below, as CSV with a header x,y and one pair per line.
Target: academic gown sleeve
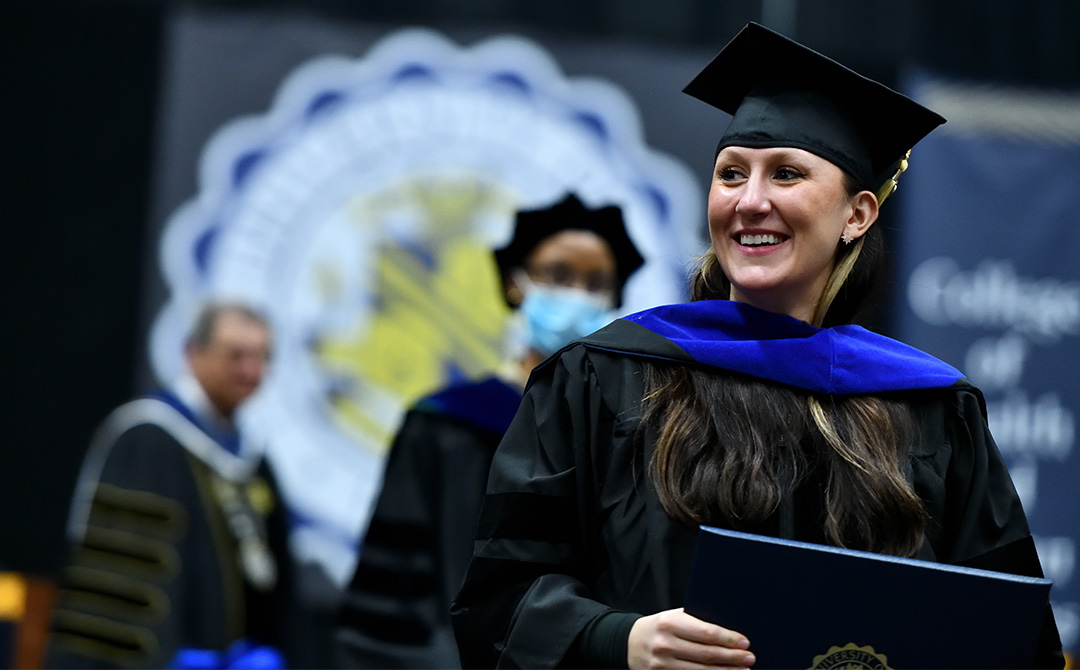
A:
x,y
153,569
524,600
144,561
977,517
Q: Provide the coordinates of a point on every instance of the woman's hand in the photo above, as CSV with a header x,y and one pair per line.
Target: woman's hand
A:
x,y
674,639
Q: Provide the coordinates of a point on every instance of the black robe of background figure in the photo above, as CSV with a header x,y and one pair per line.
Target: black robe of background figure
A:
x,y
180,543
571,526
396,611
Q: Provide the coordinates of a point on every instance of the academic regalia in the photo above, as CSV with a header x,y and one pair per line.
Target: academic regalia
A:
x,y
179,541
571,526
396,610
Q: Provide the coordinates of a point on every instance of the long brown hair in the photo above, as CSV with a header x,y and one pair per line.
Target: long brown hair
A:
x,y
731,448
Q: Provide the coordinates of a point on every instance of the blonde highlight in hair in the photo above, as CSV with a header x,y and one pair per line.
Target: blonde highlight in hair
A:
x,y
731,449
871,468
709,282
841,271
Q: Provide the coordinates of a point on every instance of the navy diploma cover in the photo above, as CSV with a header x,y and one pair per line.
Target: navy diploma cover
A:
x,y
810,606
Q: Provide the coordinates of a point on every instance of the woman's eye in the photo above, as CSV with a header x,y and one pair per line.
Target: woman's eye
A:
x,y
788,174
729,174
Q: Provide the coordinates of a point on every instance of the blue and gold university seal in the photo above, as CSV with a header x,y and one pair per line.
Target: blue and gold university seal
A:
x,y
850,657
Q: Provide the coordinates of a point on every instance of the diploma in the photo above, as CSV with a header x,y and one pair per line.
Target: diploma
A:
x,y
810,606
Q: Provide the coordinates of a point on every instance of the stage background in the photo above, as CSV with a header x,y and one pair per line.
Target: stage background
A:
x,y
113,102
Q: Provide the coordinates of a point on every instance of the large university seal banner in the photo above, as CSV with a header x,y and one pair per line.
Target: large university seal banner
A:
x,y
990,282
360,211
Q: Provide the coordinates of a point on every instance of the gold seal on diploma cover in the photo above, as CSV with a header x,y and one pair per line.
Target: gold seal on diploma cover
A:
x,y
850,657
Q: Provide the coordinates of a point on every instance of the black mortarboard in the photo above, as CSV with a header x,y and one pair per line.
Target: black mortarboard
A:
x,y
533,226
780,93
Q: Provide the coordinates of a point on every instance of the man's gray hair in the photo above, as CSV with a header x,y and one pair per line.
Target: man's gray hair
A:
x,y
203,329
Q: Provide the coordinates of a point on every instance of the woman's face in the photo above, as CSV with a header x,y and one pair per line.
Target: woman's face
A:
x,y
574,259
776,216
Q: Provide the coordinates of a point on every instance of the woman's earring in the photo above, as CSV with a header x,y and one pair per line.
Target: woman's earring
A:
x,y
846,238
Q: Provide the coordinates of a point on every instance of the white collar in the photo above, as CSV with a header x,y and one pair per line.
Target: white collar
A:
x,y
192,394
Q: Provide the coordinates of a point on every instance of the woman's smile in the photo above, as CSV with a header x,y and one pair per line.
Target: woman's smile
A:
x,y
757,242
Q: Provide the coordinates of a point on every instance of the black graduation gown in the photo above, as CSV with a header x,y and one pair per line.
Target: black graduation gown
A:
x,y
571,527
155,564
395,612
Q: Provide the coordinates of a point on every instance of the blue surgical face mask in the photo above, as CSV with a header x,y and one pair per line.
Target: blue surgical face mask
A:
x,y
556,315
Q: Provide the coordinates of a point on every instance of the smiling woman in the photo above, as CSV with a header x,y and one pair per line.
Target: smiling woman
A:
x,y
775,216
758,406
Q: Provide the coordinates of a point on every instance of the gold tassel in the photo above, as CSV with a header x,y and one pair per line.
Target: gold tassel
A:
x,y
889,187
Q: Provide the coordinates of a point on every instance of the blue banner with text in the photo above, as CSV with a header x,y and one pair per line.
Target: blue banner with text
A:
x,y
988,273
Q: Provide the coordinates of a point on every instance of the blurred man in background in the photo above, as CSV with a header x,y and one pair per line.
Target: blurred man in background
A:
x,y
179,552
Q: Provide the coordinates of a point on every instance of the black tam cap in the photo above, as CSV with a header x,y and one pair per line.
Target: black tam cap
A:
x,y
782,94
531,227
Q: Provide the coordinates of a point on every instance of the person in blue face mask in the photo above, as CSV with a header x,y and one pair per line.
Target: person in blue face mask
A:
x,y
563,272
554,315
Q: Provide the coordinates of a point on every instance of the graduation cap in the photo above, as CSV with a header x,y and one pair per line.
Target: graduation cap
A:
x,y
782,94
531,227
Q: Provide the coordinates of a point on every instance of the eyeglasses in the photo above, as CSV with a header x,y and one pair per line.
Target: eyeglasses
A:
x,y
234,353
562,274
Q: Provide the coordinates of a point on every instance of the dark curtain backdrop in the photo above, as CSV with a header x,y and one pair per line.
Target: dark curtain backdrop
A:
x,y
77,150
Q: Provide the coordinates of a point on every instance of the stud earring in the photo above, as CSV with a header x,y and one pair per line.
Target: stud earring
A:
x,y
846,238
